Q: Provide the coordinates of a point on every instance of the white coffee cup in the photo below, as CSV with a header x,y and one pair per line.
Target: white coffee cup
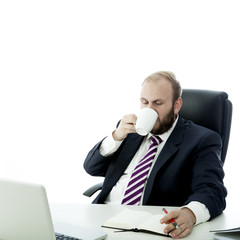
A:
x,y
146,121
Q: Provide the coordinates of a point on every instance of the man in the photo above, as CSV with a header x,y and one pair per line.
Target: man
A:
x,y
186,171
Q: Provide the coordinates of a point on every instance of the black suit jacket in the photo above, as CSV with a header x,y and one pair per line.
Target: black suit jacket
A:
x,y
188,168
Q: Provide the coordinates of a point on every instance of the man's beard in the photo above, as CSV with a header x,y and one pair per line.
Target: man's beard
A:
x,y
165,124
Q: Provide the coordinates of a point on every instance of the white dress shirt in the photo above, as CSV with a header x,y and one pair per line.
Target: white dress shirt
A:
x,y
109,146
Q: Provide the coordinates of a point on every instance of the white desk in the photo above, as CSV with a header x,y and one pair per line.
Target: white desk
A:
x,y
94,215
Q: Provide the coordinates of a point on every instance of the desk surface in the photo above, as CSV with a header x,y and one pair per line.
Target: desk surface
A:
x,y
94,215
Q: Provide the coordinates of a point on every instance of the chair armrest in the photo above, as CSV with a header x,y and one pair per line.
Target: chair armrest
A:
x,y
90,191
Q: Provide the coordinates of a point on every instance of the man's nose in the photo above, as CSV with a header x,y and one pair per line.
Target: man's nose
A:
x,y
151,105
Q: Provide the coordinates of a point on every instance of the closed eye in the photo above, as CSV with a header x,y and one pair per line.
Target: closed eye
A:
x,y
144,101
158,103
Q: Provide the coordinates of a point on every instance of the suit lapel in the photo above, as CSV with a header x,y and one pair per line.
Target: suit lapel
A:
x,y
133,143
169,149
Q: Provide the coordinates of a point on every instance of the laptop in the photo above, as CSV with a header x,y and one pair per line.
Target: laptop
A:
x,y
25,215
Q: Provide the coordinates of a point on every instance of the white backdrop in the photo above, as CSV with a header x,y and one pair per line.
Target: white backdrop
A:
x,y
69,70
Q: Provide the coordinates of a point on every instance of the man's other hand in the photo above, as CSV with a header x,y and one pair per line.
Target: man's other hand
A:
x,y
185,220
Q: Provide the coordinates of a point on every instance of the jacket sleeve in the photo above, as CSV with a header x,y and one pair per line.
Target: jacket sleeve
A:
x,y
207,175
95,164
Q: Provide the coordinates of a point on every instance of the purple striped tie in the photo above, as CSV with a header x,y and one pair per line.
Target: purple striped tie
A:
x,y
133,193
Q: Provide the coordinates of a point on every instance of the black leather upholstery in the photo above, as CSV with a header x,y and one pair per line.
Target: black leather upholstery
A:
x,y
211,109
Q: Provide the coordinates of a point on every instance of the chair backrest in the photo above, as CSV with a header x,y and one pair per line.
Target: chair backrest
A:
x,y
211,109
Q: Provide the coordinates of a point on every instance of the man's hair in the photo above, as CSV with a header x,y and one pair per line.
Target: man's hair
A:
x,y
169,76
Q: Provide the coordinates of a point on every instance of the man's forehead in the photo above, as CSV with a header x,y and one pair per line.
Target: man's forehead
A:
x,y
157,90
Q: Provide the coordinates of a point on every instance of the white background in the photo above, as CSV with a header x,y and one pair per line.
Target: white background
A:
x,y
69,70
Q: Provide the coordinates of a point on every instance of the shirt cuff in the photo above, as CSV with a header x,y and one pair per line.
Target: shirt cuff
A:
x,y
109,146
200,210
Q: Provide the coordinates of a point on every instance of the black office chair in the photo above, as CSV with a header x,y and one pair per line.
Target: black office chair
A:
x,y
211,109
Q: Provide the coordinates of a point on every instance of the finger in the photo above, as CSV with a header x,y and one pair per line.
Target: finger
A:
x,y
130,128
182,234
176,231
130,118
123,130
182,231
185,233
172,215
169,228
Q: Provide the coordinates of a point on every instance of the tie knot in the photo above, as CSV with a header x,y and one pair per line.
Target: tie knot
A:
x,y
155,139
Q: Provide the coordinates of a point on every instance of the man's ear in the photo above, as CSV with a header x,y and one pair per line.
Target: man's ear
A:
x,y
177,105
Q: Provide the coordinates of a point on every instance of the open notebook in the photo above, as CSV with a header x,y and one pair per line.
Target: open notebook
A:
x,y
25,215
136,221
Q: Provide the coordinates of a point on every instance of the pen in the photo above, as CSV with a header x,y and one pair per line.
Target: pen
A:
x,y
172,220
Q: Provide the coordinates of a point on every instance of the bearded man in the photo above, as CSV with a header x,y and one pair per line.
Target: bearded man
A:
x,y
186,170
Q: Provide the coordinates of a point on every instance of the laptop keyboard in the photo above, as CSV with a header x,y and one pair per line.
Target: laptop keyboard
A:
x,y
60,236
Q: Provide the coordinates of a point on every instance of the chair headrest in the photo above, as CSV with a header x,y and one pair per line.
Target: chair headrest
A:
x,y
211,109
